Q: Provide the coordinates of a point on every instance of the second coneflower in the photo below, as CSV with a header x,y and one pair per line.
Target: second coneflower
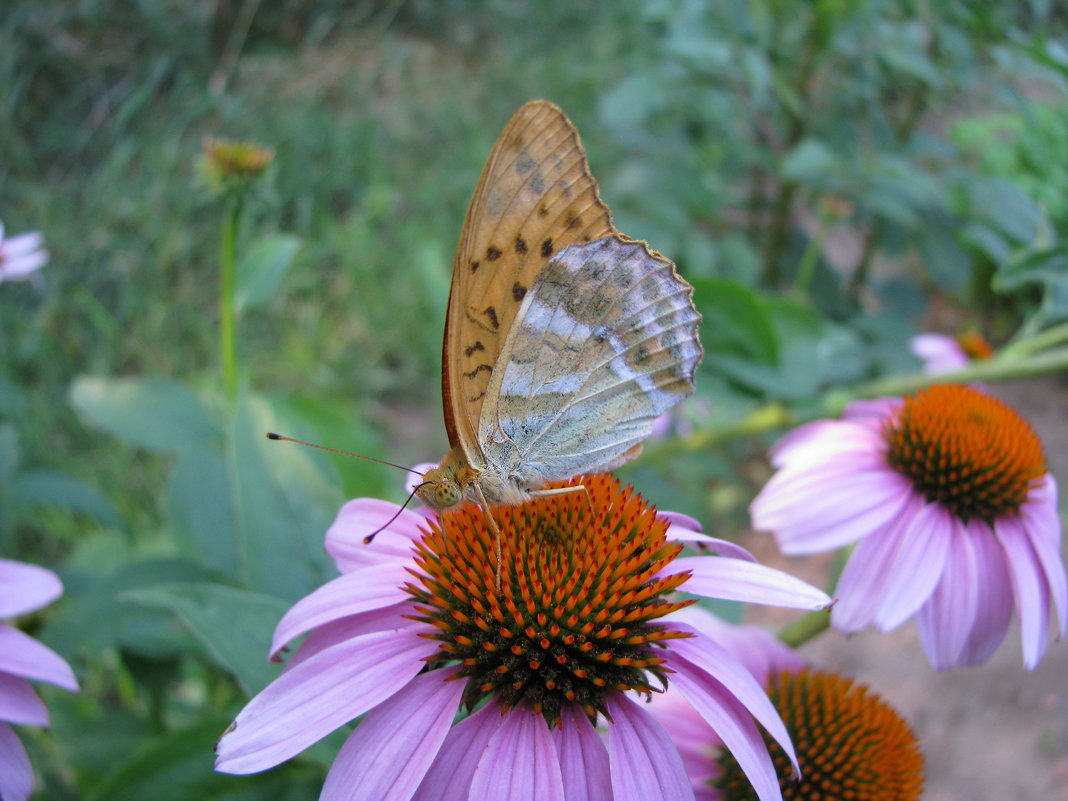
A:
x,y
415,633
954,516
850,743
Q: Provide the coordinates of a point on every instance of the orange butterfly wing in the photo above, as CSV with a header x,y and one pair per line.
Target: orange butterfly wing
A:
x,y
535,197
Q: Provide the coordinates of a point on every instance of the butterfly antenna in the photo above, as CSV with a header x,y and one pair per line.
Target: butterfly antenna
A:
x,y
283,438
370,537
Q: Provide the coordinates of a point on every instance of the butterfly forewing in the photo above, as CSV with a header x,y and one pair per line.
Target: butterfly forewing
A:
x,y
604,342
535,197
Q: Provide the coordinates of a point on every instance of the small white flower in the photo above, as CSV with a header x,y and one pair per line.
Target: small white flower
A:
x,y
21,256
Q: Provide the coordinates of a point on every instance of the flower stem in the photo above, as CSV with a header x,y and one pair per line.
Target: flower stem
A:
x,y
227,259
1046,339
997,369
805,629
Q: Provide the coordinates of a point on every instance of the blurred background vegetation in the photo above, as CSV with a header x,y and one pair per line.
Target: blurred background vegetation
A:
x,y
833,176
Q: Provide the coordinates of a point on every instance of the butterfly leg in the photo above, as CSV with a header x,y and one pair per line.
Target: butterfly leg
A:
x,y
549,493
493,527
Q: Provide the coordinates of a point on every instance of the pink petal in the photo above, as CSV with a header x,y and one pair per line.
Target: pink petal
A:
x,y
24,588
758,649
364,590
994,604
826,442
22,244
392,748
1043,525
827,507
520,762
918,563
363,516
692,736
320,694
21,655
449,778
731,723
872,413
949,615
16,775
17,268
19,703
737,580
583,758
389,618
939,353
643,761
705,659
1029,587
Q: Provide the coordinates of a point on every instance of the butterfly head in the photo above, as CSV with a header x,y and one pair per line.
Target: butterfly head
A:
x,y
448,484
439,490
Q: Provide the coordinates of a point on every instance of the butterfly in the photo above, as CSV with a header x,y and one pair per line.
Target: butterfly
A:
x,y
564,339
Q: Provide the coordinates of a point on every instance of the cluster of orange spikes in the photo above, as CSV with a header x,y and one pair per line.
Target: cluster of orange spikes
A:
x,y
965,450
580,589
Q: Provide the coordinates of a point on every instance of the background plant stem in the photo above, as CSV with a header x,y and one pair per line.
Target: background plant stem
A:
x,y
227,344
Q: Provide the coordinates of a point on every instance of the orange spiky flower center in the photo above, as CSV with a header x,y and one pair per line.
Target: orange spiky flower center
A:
x,y
851,745
581,589
965,450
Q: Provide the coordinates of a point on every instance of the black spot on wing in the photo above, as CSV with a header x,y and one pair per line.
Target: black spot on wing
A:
x,y
472,348
525,163
474,266
493,253
518,291
547,248
491,315
520,244
478,370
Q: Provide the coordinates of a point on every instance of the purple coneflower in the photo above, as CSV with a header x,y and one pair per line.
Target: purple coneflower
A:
x,y
24,588
945,354
954,516
542,671
850,743
21,256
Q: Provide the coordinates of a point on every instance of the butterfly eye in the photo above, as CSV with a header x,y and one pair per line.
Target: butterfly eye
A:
x,y
446,493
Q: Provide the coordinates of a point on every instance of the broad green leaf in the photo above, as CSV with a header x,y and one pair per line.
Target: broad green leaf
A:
x,y
945,260
51,488
735,323
179,766
811,162
286,498
94,617
233,625
151,413
260,272
13,401
9,453
203,509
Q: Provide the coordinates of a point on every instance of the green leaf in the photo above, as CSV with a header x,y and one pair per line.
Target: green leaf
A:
x,y
9,453
151,413
51,488
203,512
735,323
178,766
233,625
95,617
811,162
258,275
286,499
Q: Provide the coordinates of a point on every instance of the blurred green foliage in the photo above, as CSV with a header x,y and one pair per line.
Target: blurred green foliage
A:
x,y
830,175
